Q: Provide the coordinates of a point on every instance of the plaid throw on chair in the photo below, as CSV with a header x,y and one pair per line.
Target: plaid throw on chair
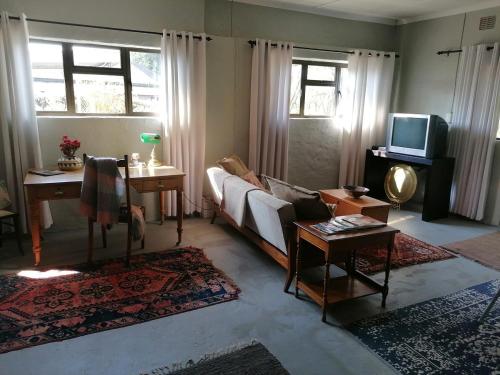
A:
x,y
102,189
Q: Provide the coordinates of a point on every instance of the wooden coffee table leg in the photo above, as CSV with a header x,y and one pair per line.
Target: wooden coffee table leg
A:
x,y
297,267
385,291
325,291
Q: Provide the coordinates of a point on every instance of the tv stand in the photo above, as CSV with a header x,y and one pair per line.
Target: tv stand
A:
x,y
437,185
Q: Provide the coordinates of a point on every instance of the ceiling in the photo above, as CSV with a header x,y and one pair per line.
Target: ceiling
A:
x,y
383,11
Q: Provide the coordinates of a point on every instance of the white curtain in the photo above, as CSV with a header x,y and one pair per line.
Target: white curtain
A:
x,y
184,113
363,110
270,108
473,128
19,141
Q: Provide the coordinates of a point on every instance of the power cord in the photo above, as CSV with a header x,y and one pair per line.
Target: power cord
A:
x,y
196,206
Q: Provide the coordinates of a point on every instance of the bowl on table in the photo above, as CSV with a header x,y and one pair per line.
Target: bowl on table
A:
x,y
355,191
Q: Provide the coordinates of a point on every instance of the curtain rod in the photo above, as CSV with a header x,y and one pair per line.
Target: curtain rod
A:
x,y
450,51
99,27
253,42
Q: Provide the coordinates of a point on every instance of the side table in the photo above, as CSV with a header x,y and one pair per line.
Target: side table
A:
x,y
340,248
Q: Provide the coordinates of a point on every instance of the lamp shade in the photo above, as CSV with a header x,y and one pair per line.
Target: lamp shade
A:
x,y
150,138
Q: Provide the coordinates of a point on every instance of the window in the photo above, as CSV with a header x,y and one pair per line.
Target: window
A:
x,y
84,79
315,88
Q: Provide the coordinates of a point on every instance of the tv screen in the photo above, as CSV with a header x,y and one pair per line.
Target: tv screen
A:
x,y
409,132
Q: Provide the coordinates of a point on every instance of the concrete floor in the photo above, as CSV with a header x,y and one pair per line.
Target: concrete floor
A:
x,y
290,328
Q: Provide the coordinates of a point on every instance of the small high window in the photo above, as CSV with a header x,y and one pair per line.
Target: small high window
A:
x,y
315,88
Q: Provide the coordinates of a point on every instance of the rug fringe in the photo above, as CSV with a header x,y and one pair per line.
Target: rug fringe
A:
x,y
178,366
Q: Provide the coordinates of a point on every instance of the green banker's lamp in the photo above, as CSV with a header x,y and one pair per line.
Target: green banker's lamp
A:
x,y
153,139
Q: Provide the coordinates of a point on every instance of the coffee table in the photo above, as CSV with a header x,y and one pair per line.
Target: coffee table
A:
x,y
341,249
347,205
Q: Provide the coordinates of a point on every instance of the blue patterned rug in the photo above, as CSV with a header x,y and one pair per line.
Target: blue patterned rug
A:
x,y
439,336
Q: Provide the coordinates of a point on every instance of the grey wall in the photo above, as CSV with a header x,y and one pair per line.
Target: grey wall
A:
x,y
427,81
314,153
152,15
250,21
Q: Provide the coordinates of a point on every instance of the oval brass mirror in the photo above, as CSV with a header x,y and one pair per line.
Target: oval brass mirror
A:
x,y
400,183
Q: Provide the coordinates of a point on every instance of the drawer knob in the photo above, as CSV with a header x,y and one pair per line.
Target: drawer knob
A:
x,y
160,185
59,193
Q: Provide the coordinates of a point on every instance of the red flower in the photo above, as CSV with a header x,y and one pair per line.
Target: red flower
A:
x,y
68,146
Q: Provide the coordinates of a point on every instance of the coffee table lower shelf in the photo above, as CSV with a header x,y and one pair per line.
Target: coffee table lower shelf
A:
x,y
339,289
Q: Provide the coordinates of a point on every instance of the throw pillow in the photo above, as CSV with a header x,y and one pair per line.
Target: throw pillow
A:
x,y
234,165
4,195
252,178
308,204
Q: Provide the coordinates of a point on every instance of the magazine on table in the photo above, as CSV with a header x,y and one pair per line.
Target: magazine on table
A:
x,y
44,172
347,223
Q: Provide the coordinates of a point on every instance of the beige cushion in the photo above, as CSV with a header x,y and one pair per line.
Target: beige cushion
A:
x,y
4,213
234,165
4,195
308,204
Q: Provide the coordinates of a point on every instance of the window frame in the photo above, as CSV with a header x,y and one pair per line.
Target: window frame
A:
x,y
69,68
304,82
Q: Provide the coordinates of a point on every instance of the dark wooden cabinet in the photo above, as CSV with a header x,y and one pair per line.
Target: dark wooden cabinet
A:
x,y
438,179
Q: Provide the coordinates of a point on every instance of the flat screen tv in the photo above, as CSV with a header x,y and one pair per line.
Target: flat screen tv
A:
x,y
418,135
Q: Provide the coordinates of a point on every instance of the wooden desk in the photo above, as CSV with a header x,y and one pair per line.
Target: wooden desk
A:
x,y
69,185
341,248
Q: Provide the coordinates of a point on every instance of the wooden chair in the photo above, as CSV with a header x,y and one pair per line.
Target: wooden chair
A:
x,y
10,218
125,215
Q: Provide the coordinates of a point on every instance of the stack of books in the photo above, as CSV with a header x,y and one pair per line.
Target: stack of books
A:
x,y
348,223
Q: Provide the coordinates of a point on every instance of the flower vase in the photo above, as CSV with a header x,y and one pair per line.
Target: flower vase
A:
x,y
69,163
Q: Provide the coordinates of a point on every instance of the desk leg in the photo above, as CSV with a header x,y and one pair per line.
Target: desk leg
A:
x,y
385,290
180,214
162,206
34,212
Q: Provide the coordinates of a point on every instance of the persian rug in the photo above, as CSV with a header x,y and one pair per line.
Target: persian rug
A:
x,y
38,309
439,336
407,251
253,359
483,249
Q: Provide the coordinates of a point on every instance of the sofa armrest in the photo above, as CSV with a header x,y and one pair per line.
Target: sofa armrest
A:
x,y
270,217
216,177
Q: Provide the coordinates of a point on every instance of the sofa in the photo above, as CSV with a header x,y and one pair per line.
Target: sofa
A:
x,y
261,217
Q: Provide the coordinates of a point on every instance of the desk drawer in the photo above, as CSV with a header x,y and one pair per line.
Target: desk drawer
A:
x,y
160,185
63,191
